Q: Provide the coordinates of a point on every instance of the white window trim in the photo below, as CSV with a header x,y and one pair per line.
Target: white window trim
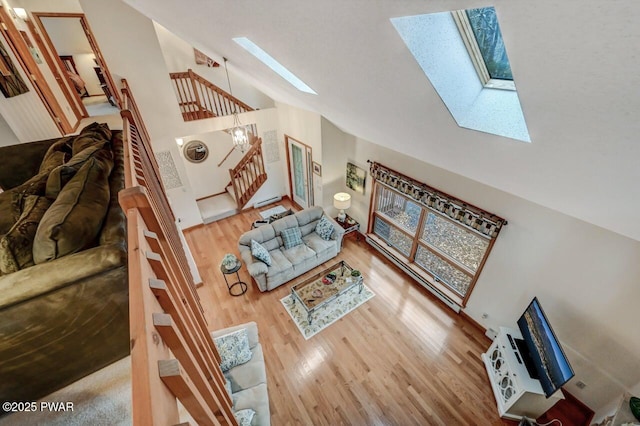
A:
x,y
470,42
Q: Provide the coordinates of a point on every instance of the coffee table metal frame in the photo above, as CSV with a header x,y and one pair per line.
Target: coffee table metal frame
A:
x,y
342,265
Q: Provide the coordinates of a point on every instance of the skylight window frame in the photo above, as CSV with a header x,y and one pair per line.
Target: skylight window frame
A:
x,y
468,37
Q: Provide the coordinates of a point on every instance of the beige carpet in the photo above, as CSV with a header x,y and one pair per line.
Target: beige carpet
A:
x,y
102,398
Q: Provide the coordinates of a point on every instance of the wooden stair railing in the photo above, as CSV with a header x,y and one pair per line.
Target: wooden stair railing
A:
x,y
248,175
172,353
199,98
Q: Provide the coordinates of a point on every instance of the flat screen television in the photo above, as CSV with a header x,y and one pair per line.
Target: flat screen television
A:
x,y
541,351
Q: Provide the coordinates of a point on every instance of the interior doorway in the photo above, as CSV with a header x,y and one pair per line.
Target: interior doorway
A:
x,y
83,74
300,176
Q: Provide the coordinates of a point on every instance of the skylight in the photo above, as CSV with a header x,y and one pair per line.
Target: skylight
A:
x,y
484,24
276,66
441,48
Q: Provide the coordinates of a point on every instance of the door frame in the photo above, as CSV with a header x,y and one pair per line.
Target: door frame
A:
x,y
52,51
308,153
19,47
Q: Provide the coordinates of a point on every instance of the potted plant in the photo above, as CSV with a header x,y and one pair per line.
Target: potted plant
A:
x,y
355,273
229,261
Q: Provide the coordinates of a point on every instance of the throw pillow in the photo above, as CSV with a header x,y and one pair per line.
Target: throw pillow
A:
x,y
245,416
75,218
227,386
324,228
291,237
17,245
280,215
233,349
95,134
259,252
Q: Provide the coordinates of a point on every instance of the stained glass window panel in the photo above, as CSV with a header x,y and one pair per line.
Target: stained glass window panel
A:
x,y
394,237
401,210
452,277
457,242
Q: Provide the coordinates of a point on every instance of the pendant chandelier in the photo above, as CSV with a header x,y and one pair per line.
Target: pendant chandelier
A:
x,y
238,132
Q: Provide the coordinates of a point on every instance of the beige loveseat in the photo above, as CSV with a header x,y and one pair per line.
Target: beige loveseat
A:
x,y
65,316
249,380
287,264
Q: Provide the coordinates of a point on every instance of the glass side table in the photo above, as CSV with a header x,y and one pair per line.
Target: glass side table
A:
x,y
238,284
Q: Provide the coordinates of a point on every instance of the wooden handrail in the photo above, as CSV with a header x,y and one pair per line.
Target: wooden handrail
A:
x,y
199,98
249,174
172,353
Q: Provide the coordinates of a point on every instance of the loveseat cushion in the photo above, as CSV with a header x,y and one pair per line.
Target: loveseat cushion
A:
x,y
299,254
249,374
74,219
317,244
279,263
16,247
257,399
308,218
252,332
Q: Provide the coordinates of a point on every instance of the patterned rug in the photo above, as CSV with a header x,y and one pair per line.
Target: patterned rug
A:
x,y
328,314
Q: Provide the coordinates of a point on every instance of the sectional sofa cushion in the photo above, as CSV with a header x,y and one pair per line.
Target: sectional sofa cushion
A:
x,y
16,246
291,237
233,348
75,218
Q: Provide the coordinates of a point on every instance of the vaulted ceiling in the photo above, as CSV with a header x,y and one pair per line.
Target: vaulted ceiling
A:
x,y
576,65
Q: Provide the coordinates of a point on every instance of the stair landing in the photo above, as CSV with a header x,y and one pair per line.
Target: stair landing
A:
x,y
216,208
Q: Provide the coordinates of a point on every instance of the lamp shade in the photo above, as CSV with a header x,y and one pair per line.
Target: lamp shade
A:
x,y
342,201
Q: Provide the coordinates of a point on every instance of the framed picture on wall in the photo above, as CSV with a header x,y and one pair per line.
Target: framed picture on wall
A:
x,y
317,169
356,177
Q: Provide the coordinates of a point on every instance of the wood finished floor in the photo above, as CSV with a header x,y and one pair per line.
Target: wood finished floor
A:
x,y
402,358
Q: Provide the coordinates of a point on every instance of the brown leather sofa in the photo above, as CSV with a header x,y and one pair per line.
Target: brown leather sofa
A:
x,y
66,317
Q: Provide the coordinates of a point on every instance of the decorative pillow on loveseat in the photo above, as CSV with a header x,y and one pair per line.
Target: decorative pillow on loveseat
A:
x,y
233,349
324,228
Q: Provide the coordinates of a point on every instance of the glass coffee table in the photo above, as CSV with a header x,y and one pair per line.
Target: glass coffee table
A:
x,y
319,290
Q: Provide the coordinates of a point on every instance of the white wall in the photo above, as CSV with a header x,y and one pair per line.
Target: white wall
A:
x,y
179,57
7,137
25,114
585,277
132,51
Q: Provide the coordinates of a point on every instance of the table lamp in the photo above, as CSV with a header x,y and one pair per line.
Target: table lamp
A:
x,y
342,201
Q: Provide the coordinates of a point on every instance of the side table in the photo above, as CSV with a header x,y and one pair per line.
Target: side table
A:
x,y
350,225
241,284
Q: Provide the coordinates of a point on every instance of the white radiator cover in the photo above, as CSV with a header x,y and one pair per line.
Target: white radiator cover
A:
x,y
267,201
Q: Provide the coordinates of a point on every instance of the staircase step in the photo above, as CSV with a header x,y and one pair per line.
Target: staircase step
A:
x,y
218,207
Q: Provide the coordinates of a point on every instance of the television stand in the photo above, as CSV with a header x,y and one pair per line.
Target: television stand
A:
x,y
517,393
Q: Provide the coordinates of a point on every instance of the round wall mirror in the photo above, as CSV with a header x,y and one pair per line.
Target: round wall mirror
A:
x,y
196,151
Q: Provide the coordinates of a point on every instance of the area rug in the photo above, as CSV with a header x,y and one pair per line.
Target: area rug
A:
x,y
328,314
274,210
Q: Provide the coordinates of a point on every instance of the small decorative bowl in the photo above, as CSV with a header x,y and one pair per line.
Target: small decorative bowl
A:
x,y
316,293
